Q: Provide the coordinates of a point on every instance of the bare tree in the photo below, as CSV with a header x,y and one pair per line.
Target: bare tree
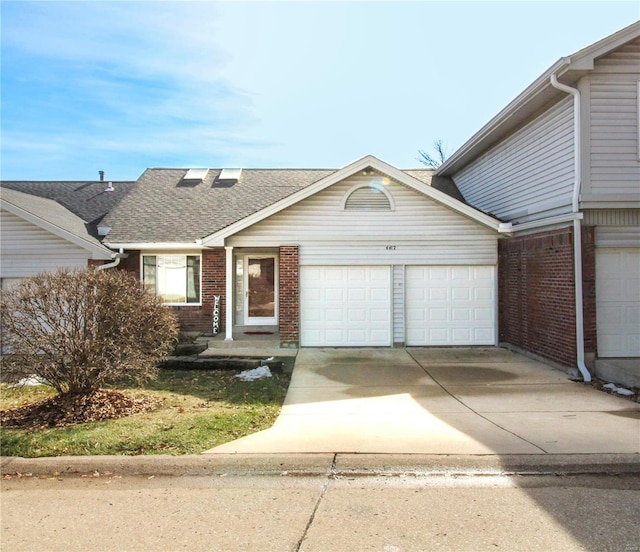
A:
x,y
81,329
439,157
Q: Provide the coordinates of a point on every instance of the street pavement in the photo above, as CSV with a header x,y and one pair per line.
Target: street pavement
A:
x,y
320,513
387,450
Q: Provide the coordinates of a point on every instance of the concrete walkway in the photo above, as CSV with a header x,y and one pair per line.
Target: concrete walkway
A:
x,y
441,401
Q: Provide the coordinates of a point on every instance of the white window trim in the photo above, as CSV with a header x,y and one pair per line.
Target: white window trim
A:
x,y
167,253
379,187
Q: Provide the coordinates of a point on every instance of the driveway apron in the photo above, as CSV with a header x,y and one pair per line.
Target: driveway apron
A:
x,y
440,401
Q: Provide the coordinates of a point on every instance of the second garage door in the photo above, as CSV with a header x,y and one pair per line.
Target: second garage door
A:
x,y
450,305
345,306
618,301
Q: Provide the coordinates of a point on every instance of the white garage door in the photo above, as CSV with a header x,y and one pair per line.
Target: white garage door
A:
x,y
618,301
450,305
345,306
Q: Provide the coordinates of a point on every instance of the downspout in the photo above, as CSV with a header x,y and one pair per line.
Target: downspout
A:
x,y
118,257
577,232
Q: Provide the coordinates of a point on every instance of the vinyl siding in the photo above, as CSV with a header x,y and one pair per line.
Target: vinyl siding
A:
x,y
530,174
28,249
418,231
613,125
612,217
618,236
398,299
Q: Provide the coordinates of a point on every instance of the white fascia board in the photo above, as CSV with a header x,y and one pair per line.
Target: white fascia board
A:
x,y
157,246
98,251
217,239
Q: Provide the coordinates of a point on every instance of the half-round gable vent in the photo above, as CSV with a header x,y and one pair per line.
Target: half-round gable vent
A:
x,y
368,198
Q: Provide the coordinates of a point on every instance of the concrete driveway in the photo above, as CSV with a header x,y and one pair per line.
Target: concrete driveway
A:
x,y
477,401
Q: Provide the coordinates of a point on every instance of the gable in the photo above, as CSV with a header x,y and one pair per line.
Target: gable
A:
x,y
324,215
53,219
367,166
28,249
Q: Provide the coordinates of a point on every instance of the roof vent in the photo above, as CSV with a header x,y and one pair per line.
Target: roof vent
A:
x,y
110,187
230,175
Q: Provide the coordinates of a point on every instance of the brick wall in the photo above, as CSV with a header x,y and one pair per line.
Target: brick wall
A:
x,y
536,293
196,318
589,290
289,296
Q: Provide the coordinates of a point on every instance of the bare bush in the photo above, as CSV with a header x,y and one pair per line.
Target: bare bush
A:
x,y
82,329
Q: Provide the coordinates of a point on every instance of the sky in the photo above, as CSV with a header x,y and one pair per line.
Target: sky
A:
x,y
122,86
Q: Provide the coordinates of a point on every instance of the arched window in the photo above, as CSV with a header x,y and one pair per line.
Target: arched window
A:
x,y
368,197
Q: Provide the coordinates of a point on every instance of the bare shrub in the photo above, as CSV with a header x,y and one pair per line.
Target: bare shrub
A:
x,y
82,329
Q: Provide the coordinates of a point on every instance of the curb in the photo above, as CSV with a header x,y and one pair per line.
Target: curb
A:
x,y
325,464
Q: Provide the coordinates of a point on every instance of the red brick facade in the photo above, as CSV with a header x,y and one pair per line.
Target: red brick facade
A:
x,y
196,318
536,293
289,296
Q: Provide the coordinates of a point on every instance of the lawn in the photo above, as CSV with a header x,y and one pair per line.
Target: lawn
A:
x,y
198,410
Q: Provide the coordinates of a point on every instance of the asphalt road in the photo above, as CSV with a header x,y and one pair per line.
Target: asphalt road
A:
x,y
320,512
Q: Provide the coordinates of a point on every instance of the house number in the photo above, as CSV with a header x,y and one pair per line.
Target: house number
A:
x,y
391,247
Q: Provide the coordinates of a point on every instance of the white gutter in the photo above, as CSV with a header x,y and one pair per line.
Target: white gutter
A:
x,y
558,219
157,246
577,233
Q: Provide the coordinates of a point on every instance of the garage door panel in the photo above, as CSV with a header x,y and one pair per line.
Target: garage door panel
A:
x,y
618,301
451,305
360,317
461,294
461,314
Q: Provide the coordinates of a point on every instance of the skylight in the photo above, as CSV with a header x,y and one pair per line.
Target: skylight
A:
x,y
196,174
230,174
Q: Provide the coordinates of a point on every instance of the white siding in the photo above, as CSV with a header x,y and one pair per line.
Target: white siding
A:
x,y
28,249
618,236
612,217
418,231
398,299
613,128
529,175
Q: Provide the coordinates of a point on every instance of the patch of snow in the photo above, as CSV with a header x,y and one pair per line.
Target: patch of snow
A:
x,y
256,373
30,381
270,358
620,390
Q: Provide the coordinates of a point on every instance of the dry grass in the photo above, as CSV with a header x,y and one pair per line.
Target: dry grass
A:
x,y
196,410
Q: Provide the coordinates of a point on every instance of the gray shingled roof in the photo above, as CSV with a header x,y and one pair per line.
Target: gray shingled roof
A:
x,y
87,200
444,184
52,212
163,208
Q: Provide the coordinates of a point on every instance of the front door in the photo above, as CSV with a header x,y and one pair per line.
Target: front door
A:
x,y
261,290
